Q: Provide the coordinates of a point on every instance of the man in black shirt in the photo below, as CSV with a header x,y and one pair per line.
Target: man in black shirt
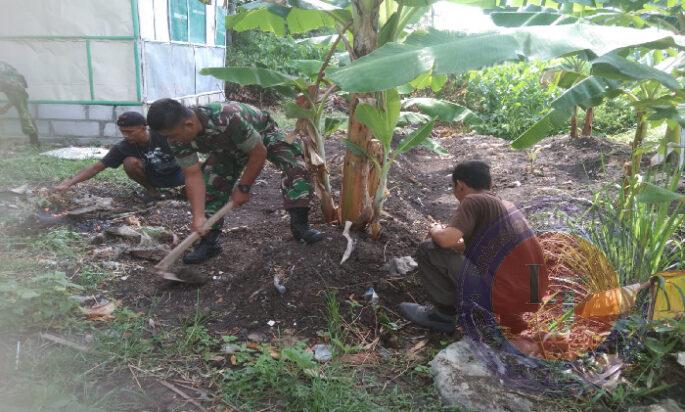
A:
x,y
146,157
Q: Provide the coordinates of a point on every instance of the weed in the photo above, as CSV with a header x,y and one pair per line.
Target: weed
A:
x,y
27,165
295,381
333,316
126,339
36,301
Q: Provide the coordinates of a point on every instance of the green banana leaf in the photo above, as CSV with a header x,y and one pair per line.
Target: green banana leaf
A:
x,y
443,110
651,193
588,92
613,66
520,19
246,76
396,64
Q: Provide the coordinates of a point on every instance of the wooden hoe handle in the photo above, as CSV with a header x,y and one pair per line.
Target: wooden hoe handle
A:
x,y
176,252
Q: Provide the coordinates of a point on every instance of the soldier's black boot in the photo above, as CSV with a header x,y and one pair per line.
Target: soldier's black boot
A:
x,y
299,225
207,248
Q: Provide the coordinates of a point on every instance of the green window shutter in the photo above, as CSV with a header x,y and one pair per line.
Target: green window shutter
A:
x,y
198,21
178,20
220,39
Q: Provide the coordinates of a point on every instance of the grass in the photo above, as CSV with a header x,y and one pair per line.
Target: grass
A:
x,y
23,164
651,141
295,381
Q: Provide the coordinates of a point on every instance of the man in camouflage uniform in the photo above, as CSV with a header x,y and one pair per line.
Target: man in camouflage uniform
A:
x,y
238,139
13,84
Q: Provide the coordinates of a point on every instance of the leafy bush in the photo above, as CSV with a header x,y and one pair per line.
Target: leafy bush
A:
x,y
509,98
267,50
263,49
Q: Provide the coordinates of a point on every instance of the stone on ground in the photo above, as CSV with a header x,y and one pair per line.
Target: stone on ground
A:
x,y
463,380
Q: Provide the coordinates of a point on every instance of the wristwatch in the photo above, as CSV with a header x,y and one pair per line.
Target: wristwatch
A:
x,y
244,187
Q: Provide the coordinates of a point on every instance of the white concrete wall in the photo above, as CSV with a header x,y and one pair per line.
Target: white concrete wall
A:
x,y
73,122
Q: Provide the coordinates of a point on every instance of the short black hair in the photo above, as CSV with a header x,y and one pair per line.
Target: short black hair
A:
x,y
165,114
474,173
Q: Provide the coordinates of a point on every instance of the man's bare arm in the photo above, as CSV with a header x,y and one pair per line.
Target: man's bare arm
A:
x,y
195,190
81,176
447,237
255,164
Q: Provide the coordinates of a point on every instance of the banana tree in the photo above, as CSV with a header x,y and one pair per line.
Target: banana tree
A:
x,y
308,108
362,26
382,120
653,92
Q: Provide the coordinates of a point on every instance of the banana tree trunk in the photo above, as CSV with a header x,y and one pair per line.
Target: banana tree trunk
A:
x,y
574,123
633,165
587,123
315,159
356,205
636,147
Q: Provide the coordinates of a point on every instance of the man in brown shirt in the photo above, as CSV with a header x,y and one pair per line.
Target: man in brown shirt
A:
x,y
487,256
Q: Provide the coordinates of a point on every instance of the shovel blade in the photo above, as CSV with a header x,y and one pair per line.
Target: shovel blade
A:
x,y
169,276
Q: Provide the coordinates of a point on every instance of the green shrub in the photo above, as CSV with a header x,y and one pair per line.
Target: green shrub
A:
x,y
264,49
509,98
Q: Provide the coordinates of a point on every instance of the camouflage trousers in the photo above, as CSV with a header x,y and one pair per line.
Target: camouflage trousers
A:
x,y
20,102
222,174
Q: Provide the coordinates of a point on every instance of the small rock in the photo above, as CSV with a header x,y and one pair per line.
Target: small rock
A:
x,y
384,353
256,337
111,265
278,285
21,190
400,266
107,252
271,323
230,348
680,358
371,296
127,232
667,405
322,352
158,233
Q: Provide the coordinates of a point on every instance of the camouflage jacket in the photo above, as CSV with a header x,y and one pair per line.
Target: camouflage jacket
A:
x,y
11,81
231,130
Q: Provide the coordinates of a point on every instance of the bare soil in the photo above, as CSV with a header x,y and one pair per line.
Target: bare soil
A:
x,y
239,293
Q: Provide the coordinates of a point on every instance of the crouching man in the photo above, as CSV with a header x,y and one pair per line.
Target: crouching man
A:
x,y
486,254
146,156
237,139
